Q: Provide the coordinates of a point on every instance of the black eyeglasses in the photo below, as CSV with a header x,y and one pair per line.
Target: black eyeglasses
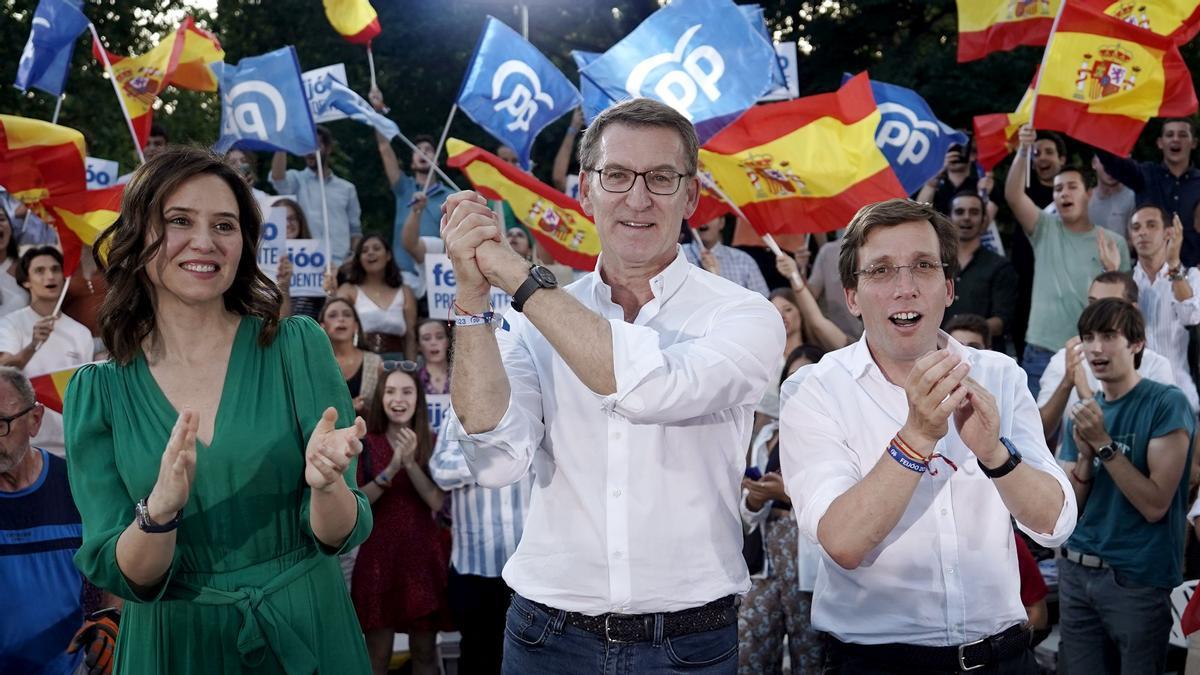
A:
x,y
405,366
6,422
662,182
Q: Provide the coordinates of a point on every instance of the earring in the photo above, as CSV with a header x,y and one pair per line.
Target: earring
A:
x,y
355,340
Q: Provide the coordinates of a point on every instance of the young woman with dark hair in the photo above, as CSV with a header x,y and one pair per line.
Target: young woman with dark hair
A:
x,y
385,305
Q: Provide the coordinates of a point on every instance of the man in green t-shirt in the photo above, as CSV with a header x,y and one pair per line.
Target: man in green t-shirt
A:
x,y
1068,252
1130,446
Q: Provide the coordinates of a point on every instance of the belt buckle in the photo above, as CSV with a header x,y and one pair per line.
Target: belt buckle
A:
x,y
608,627
962,664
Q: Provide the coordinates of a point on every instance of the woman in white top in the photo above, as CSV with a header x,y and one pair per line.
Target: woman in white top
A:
x,y
12,295
386,307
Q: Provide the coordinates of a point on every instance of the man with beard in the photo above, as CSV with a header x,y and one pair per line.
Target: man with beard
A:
x,y
1069,252
986,283
1173,183
707,251
344,226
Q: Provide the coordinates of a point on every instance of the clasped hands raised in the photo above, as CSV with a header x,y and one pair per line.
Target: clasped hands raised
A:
x,y
939,386
479,253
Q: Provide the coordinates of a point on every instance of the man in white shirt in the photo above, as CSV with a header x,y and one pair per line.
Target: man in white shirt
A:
x,y
908,490
1068,377
37,341
631,393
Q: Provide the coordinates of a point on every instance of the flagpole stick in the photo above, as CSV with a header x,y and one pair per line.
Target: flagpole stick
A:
x,y
57,307
441,143
371,64
117,90
416,150
1037,85
57,108
324,206
767,238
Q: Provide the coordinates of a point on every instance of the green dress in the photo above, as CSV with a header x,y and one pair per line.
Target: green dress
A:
x,y
250,589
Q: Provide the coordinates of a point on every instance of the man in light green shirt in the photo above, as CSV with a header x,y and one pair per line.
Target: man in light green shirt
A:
x,y
1068,250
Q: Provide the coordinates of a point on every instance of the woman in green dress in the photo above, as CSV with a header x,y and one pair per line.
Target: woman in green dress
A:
x,y
213,457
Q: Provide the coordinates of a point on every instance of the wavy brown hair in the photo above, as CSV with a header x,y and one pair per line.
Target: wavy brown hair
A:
x,y
356,273
377,419
128,315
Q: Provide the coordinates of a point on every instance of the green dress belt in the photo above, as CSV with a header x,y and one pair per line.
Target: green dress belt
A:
x,y
262,625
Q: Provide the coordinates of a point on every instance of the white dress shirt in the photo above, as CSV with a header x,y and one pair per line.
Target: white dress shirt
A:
x,y
635,500
1167,320
947,573
1154,367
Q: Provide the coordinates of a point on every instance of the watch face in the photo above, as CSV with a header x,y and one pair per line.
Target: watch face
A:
x,y
544,277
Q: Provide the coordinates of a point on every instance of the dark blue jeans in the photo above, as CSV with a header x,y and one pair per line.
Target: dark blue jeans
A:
x,y
536,641
1034,361
1109,624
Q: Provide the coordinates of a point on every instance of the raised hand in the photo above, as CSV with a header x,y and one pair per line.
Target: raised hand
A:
x,y
176,469
330,450
1077,368
1089,423
1027,136
42,329
978,421
709,261
1110,255
1174,242
934,389
283,276
404,448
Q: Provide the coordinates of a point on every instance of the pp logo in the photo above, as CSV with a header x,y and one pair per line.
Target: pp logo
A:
x,y
244,103
523,103
909,134
696,72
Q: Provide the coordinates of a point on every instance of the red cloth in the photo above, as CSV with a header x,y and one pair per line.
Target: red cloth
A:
x,y
400,575
1033,586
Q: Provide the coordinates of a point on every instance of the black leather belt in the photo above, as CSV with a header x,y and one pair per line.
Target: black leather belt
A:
x,y
965,657
640,627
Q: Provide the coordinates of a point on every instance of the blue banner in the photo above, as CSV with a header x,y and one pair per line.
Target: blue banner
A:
x,y
263,106
46,59
701,57
754,14
340,97
512,90
594,98
912,138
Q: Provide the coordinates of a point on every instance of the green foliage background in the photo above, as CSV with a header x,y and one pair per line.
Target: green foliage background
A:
x,y
423,51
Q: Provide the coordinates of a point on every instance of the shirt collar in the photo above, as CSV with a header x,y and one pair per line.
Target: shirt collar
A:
x,y
1140,271
314,173
663,285
859,360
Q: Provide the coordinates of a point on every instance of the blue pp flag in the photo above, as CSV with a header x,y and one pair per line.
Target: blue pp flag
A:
x,y
701,57
912,138
263,106
594,98
512,90
46,59
344,99
754,14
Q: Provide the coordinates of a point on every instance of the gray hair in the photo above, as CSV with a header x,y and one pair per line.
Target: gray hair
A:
x,y
640,112
17,380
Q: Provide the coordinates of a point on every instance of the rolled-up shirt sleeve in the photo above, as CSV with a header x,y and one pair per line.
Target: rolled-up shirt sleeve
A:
x,y
727,366
503,455
1025,432
817,462
1188,311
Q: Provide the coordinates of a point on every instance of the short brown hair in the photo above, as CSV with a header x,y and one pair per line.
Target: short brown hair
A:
x,y
971,323
640,112
127,316
1129,286
1118,316
886,214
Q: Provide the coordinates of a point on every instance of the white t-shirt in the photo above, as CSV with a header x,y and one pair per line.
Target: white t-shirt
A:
x,y
12,295
70,344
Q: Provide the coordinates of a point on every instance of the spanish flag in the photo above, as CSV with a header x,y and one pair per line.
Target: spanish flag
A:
x,y
184,59
805,165
81,217
38,159
996,134
1104,78
556,221
1176,19
354,20
49,389
986,26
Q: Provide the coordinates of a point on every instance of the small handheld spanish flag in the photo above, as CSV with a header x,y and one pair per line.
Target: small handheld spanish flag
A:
x,y
50,388
354,20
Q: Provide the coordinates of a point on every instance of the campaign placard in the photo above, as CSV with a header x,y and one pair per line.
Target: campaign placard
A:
x,y
101,173
316,90
441,288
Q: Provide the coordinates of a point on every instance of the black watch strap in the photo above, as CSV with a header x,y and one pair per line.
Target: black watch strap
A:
x,y
142,512
539,278
1014,458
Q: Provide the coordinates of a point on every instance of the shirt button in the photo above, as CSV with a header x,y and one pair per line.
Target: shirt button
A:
x,y
945,512
618,555
949,570
616,493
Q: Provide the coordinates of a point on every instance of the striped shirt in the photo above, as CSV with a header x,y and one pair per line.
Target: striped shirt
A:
x,y
486,523
1167,320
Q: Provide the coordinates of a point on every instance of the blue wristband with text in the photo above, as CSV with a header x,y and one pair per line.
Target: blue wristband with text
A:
x,y
905,461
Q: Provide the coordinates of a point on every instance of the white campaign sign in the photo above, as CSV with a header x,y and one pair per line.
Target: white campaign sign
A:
x,y
438,406
441,287
785,53
101,173
317,91
271,245
308,267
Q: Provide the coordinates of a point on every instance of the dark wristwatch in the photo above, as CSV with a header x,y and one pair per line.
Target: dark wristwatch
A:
x,y
147,524
1014,458
1106,452
539,278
